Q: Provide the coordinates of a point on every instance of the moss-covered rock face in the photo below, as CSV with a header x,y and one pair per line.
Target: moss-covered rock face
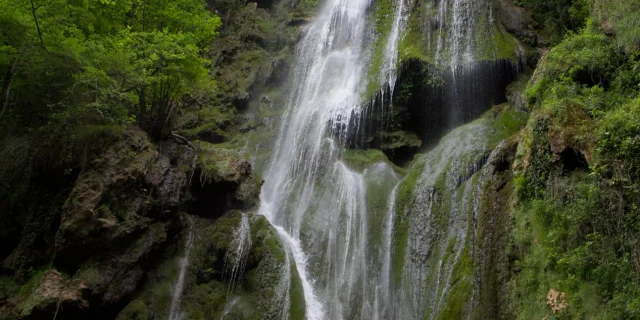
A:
x,y
219,283
455,61
575,179
437,207
121,217
445,34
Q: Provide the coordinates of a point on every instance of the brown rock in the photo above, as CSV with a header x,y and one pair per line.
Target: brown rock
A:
x,y
55,286
557,300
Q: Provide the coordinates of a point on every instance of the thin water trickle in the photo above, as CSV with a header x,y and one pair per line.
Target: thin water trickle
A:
x,y
236,256
229,307
176,296
383,289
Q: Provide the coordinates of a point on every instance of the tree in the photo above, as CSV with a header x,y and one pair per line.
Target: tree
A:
x,y
71,63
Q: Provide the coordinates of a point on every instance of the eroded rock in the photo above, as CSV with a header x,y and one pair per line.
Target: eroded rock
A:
x,y
557,300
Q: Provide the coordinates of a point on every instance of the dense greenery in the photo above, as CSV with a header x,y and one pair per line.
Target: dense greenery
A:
x,y
556,17
72,68
577,224
76,73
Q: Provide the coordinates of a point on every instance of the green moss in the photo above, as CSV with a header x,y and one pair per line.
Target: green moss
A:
x,y
494,42
360,160
266,239
208,119
297,310
135,310
382,20
28,292
458,300
413,44
220,164
398,139
580,57
401,223
8,287
205,301
506,123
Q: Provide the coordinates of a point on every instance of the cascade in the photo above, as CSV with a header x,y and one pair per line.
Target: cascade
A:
x,y
323,238
355,252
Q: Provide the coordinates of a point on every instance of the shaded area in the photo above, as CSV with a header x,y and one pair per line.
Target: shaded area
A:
x,y
427,103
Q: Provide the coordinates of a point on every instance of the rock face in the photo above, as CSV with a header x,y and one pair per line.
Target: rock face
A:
x,y
237,265
428,103
122,214
492,234
55,293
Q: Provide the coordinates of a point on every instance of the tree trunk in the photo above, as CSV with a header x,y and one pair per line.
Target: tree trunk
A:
x,y
6,88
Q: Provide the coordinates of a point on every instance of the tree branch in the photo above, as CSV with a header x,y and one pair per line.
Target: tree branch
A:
x,y
35,18
182,139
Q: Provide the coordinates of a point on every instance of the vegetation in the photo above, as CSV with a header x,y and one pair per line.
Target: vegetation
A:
x,y
556,17
102,63
75,74
576,225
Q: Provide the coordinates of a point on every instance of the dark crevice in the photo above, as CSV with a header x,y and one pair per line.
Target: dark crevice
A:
x,y
573,160
475,167
211,199
428,102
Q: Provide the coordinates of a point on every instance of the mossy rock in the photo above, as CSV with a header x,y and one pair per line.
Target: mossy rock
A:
x,y
219,164
360,160
135,310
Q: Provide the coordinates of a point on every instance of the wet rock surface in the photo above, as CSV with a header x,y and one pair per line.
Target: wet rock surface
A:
x,y
120,217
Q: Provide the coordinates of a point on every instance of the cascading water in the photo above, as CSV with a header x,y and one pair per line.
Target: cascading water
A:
x,y
176,296
315,201
382,306
341,248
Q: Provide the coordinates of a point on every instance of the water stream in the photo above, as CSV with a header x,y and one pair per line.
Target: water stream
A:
x,y
324,238
176,296
236,256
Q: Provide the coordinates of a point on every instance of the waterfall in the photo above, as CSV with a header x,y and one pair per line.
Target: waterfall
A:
x,y
228,307
442,206
176,296
337,223
315,202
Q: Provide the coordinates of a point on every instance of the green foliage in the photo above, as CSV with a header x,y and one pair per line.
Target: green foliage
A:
x,y
556,17
620,143
584,58
76,74
576,230
621,17
102,62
